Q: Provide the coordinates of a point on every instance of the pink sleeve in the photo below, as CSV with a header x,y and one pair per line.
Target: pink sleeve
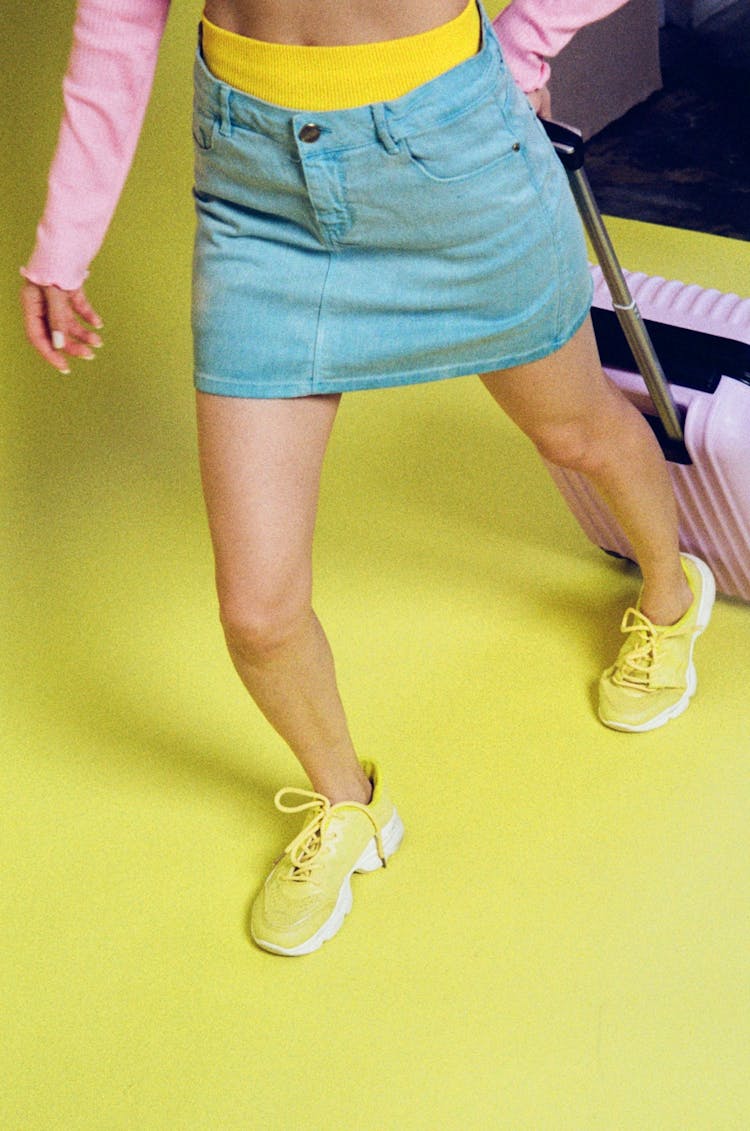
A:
x,y
105,92
531,31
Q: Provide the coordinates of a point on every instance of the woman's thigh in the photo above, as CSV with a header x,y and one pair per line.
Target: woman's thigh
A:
x,y
261,462
564,400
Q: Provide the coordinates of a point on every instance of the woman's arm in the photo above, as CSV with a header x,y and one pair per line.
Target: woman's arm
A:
x,y
531,31
105,90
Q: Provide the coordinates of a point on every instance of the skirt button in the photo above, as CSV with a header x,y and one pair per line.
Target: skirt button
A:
x,y
310,132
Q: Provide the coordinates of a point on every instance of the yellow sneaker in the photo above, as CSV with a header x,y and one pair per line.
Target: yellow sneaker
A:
x,y
308,894
653,678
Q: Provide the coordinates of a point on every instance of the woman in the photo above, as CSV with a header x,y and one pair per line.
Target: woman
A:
x,y
357,164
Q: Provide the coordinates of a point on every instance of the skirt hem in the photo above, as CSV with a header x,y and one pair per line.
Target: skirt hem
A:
x,y
261,390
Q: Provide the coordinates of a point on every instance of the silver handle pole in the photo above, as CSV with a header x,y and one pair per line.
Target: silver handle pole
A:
x,y
625,308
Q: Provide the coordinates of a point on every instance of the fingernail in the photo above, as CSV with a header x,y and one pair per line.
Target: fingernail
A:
x,y
88,356
97,343
58,339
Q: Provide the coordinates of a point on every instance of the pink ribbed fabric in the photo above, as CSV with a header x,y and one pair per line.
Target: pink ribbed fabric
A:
x,y
106,90
532,31
107,87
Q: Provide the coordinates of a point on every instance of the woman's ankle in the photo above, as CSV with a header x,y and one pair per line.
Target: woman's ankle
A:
x,y
666,602
340,784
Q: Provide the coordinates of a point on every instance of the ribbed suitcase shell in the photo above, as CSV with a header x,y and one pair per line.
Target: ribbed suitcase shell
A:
x,y
713,493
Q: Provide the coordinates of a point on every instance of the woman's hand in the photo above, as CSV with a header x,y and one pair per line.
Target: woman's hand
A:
x,y
541,102
57,324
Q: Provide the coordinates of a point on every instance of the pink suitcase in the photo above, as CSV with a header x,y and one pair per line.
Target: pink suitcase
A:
x,y
681,354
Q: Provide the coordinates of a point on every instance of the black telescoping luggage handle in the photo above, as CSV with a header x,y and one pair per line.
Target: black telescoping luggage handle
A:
x,y
569,146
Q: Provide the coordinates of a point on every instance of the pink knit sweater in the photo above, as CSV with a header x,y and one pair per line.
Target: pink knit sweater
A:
x,y
108,84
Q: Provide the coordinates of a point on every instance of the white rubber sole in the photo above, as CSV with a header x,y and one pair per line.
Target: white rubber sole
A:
x,y
391,836
705,606
672,712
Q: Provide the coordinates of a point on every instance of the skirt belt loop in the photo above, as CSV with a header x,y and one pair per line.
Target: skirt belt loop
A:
x,y
382,128
225,109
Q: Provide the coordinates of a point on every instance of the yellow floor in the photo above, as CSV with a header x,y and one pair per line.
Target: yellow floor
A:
x,y
561,943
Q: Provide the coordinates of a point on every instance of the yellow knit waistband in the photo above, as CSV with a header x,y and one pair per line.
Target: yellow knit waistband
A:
x,y
338,78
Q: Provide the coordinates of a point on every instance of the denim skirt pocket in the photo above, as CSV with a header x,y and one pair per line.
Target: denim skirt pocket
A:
x,y
463,145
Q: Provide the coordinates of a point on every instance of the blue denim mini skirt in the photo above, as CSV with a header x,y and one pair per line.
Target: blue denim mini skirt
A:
x,y
427,237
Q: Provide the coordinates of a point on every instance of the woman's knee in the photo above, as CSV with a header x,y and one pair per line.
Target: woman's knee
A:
x,y
574,445
588,440
257,624
613,432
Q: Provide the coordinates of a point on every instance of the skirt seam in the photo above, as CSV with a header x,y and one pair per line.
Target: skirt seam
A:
x,y
319,326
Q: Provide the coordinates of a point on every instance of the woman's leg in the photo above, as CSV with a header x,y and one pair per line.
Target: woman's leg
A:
x,y
260,463
578,419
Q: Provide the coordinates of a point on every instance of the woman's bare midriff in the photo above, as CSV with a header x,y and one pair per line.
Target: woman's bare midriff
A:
x,y
330,23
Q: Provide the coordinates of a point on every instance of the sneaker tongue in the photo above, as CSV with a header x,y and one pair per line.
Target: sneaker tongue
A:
x,y
631,677
310,842
317,825
636,658
303,847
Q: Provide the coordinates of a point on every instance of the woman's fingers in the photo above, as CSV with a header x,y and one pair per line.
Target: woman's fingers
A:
x,y
38,331
85,310
67,333
541,101
54,327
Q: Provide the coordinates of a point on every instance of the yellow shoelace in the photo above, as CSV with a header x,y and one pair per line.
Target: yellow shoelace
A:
x,y
636,667
304,849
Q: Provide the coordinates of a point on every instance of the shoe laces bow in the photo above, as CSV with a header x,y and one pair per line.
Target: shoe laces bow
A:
x,y
304,850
